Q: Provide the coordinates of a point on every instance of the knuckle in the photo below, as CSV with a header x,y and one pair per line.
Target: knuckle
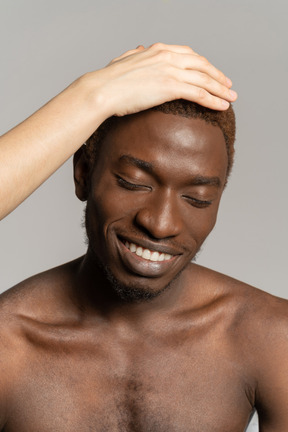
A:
x,y
202,94
157,46
206,79
220,77
189,49
165,56
204,60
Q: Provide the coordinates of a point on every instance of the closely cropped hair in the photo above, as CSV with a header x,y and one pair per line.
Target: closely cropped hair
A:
x,y
224,119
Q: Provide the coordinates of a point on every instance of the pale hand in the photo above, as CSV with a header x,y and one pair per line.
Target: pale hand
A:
x,y
142,78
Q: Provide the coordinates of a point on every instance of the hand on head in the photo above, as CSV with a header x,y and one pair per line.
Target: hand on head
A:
x,y
146,77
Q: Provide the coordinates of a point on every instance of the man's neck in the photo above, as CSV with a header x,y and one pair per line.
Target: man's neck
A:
x,y
97,297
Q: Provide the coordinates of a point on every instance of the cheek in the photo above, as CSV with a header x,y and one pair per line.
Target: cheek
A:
x,y
105,207
200,223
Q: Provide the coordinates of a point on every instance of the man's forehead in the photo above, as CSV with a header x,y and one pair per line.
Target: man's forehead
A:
x,y
153,125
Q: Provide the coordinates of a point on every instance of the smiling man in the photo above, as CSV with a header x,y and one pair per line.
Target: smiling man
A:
x,y
133,336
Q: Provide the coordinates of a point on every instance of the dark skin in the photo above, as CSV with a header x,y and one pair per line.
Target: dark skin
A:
x,y
200,355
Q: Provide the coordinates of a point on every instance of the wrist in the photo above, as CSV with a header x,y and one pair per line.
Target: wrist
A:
x,y
90,90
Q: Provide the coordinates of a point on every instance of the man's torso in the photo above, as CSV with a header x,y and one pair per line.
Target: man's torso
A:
x,y
192,373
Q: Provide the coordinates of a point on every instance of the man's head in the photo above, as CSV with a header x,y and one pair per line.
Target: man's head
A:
x,y
153,187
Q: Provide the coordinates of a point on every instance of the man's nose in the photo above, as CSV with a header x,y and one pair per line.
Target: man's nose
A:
x,y
160,217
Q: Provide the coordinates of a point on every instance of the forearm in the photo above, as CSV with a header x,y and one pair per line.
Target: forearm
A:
x,y
33,150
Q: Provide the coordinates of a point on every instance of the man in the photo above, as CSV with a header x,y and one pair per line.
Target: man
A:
x,y
133,336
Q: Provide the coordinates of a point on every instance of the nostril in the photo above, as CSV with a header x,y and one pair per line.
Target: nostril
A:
x,y
161,219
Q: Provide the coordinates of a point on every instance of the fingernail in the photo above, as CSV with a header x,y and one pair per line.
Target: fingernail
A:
x,y
225,104
233,94
229,82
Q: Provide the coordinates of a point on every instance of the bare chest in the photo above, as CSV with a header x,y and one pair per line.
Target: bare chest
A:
x,y
155,388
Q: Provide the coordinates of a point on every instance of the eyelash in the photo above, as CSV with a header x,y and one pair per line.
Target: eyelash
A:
x,y
198,203
132,186
127,185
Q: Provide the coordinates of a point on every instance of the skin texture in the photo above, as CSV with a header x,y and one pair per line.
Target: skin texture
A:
x,y
199,356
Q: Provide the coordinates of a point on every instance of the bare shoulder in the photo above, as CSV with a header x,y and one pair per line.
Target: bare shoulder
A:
x,y
42,299
259,320
41,296
258,331
252,304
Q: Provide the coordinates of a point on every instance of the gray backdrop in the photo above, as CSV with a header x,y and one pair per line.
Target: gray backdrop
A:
x,y
46,45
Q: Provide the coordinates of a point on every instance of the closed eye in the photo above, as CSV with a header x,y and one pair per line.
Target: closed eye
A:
x,y
133,186
196,202
128,185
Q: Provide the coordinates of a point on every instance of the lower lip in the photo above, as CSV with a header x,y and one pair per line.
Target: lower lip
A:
x,y
143,267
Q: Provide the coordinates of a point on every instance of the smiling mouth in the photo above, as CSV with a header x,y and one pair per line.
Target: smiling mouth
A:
x,y
147,254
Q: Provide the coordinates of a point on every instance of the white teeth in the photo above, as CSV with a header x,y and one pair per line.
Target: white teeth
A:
x,y
133,247
146,253
162,257
154,256
139,251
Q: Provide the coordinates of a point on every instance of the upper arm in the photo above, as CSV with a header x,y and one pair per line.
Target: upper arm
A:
x,y
272,373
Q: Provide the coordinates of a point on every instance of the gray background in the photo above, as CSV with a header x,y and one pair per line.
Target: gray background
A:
x,y
46,45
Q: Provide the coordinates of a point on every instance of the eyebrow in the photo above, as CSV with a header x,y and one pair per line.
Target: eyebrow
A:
x,y
202,181
139,163
196,180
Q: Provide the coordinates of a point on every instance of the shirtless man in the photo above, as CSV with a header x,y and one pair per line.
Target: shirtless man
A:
x,y
144,340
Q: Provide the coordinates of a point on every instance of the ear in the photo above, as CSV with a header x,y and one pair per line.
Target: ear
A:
x,y
81,174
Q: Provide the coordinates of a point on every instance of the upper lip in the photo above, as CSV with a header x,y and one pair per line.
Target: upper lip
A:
x,y
147,244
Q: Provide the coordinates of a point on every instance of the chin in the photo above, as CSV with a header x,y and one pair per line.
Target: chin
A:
x,y
138,291
133,292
